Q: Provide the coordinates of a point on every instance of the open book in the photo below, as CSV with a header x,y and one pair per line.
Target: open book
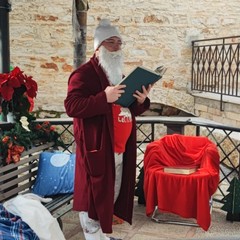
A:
x,y
181,169
139,77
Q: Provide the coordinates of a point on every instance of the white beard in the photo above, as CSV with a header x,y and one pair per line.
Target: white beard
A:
x,y
112,63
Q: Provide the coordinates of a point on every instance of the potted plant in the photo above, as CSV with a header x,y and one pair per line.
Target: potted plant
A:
x,y
17,91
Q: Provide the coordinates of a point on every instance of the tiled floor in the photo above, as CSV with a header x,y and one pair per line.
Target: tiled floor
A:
x,y
145,229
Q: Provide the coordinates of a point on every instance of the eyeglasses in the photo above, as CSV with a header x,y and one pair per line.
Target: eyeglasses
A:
x,y
112,43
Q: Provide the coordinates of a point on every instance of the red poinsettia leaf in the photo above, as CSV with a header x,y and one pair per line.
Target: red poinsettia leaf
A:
x,y
5,139
6,86
17,75
16,71
38,126
14,153
3,78
16,158
32,87
8,158
32,83
31,93
14,82
30,100
7,92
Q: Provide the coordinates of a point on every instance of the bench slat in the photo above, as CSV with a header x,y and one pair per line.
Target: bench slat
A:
x,y
58,201
63,211
39,148
12,193
18,171
16,181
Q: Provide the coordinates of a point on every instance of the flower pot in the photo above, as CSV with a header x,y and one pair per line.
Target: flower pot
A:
x,y
11,117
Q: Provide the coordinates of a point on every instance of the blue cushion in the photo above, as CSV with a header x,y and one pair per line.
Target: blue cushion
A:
x,y
55,174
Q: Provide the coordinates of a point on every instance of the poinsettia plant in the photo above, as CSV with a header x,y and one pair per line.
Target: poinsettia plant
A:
x,y
17,91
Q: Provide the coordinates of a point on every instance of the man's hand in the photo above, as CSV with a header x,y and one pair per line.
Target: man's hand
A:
x,y
113,93
142,96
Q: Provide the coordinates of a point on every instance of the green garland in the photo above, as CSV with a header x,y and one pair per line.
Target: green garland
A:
x,y
22,137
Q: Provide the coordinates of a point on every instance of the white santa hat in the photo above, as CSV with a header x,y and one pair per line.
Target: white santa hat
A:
x,y
104,31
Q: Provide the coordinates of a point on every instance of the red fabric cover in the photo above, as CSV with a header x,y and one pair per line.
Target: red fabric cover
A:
x,y
185,195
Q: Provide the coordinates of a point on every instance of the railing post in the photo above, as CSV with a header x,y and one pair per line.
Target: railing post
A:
x,y
5,8
192,69
222,71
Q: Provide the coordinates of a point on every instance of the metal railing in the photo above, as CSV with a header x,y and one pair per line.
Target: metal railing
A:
x,y
149,129
215,66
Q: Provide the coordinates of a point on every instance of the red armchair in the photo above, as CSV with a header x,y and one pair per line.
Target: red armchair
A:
x,y
185,195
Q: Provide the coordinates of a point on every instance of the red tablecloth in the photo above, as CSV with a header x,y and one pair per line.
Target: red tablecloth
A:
x,y
185,195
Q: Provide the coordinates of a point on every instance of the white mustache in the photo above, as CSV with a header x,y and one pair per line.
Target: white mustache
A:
x,y
116,54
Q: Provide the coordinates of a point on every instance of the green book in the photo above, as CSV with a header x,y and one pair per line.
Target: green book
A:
x,y
139,77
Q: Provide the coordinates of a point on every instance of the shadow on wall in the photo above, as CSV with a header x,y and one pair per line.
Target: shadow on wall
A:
x,y
158,109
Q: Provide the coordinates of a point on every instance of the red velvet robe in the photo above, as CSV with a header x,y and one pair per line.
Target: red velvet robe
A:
x,y
93,130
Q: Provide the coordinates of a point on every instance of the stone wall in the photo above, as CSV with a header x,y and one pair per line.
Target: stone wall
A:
x,y
156,32
210,107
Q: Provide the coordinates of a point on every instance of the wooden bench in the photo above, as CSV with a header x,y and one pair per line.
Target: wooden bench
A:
x,y
18,178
